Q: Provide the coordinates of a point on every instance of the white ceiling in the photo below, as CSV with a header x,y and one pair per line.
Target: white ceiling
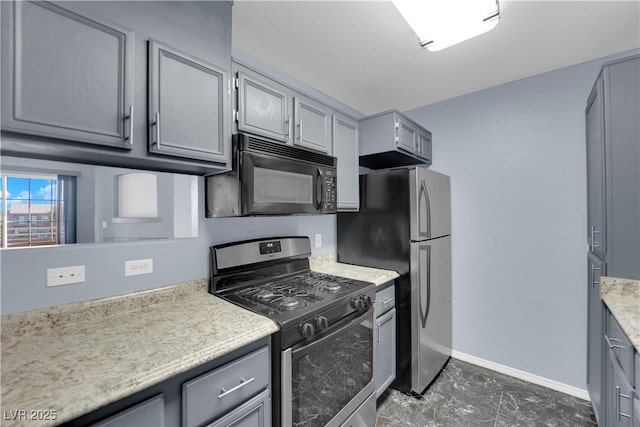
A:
x,y
363,53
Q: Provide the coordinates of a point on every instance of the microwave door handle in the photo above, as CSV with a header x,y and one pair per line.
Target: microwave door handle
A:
x,y
319,191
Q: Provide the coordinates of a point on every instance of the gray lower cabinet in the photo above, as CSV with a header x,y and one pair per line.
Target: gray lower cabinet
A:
x,y
215,393
66,75
595,331
188,105
385,338
254,413
262,107
148,413
345,149
390,139
232,390
620,393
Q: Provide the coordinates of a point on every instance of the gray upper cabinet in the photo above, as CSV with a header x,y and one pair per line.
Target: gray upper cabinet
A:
x,y
263,107
596,172
613,168
66,75
406,134
312,124
390,139
188,105
345,149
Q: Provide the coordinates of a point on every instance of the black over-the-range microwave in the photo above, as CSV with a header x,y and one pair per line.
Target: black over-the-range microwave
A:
x,y
271,178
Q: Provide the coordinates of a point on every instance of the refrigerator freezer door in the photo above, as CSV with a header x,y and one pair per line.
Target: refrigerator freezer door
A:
x,y
430,204
430,310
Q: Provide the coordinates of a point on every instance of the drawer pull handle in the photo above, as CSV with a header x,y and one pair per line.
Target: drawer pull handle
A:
x,y
387,301
243,383
618,396
614,340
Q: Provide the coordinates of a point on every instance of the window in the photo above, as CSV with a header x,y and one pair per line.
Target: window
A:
x,y
33,211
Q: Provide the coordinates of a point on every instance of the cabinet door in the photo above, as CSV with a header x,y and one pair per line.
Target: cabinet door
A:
x,y
254,413
188,101
345,149
312,128
424,145
622,155
619,396
596,219
148,413
385,371
595,328
65,75
263,108
406,134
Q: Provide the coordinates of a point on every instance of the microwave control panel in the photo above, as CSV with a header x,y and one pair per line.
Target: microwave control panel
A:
x,y
330,194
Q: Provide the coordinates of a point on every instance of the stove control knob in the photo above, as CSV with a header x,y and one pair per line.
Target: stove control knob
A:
x,y
307,330
322,323
359,303
367,301
353,302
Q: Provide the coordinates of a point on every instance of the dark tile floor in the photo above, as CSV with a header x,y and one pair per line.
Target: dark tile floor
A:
x,y
468,395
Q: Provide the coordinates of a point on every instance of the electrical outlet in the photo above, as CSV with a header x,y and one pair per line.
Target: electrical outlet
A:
x,y
318,240
138,266
65,275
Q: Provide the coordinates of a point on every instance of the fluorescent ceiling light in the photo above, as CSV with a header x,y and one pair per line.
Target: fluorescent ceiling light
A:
x,y
443,23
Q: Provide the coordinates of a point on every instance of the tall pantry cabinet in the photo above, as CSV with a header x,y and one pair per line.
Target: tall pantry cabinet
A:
x,y
613,202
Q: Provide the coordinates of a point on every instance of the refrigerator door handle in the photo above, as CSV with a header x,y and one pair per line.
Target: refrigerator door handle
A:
x,y
424,313
424,212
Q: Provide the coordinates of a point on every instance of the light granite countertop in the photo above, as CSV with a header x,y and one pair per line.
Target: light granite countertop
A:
x,y
622,297
78,357
327,264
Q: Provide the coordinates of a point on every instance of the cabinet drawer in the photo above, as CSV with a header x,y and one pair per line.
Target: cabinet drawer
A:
x,y
621,347
385,300
214,393
254,413
148,413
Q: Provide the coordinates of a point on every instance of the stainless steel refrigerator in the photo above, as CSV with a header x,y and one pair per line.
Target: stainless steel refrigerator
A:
x,y
404,224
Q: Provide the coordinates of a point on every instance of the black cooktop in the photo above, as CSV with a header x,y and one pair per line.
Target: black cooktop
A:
x,y
294,296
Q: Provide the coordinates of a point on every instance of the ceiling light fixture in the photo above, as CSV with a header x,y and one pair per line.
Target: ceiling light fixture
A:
x,y
443,23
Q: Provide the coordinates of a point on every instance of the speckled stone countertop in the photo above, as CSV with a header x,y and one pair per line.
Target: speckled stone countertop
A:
x,y
622,297
327,264
78,357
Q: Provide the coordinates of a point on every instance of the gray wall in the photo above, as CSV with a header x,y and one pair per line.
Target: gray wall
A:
x,y
516,157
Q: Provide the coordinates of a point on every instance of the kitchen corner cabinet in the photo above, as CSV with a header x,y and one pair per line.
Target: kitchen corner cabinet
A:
x,y
345,149
83,76
385,338
613,168
66,75
188,105
391,139
233,390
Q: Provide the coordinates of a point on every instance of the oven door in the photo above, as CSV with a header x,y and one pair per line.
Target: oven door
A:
x,y
274,185
327,379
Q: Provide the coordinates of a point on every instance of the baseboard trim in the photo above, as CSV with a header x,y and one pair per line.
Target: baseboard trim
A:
x,y
526,376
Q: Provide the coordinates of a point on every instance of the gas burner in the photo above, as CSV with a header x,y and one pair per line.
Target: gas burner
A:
x,y
290,303
332,287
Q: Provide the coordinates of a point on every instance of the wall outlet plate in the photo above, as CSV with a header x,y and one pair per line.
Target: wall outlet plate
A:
x,y
138,266
65,275
318,240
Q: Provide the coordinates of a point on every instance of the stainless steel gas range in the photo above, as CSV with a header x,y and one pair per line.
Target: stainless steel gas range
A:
x,y
322,358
